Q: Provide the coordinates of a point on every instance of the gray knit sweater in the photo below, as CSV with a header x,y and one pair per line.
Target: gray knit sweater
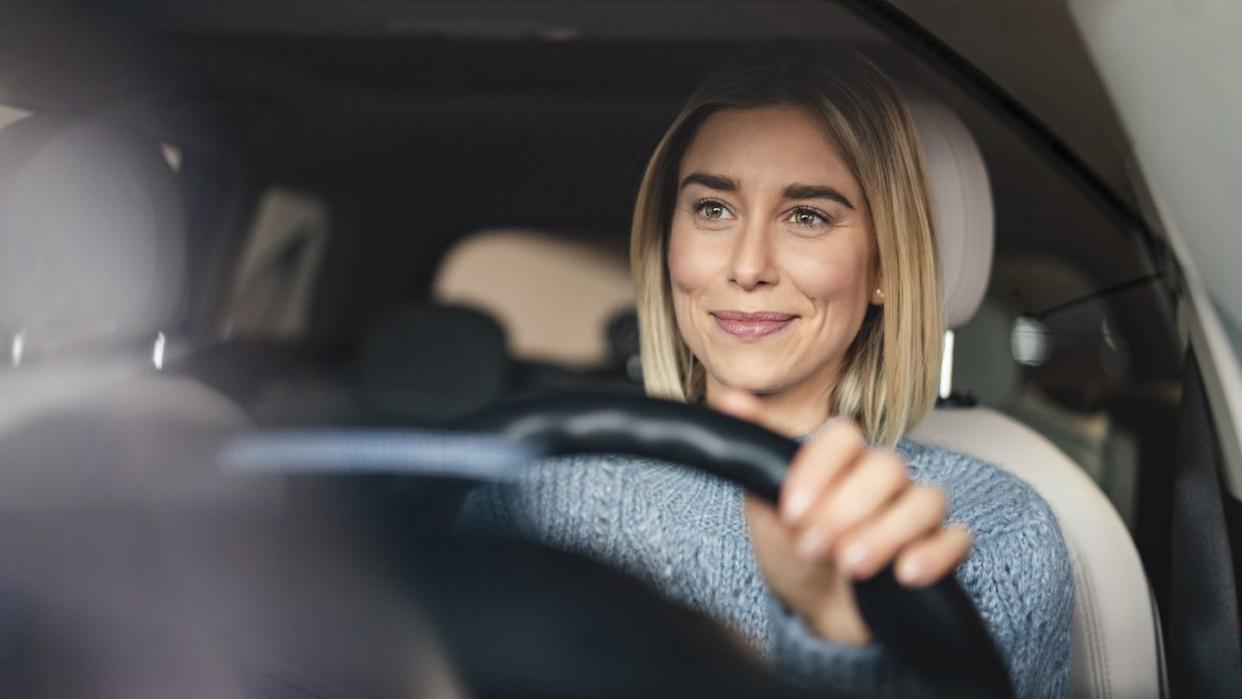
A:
x,y
685,533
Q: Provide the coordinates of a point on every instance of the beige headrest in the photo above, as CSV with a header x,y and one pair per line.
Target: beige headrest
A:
x,y
962,197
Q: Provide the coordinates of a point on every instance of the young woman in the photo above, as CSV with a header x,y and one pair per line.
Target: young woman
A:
x,y
785,262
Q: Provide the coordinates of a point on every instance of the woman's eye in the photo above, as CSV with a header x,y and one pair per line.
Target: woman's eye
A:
x,y
712,210
808,218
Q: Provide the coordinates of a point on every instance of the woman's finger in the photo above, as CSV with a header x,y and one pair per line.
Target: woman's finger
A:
x,y
866,487
816,465
916,512
928,560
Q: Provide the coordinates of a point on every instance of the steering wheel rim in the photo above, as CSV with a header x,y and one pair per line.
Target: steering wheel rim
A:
x,y
936,629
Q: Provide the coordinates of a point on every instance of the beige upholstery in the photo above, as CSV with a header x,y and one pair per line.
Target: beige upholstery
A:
x,y
553,296
1116,650
1115,653
962,195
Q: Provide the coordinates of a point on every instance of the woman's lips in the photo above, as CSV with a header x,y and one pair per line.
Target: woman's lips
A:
x,y
752,326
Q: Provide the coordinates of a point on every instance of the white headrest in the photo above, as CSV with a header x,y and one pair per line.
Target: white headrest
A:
x,y
91,233
962,198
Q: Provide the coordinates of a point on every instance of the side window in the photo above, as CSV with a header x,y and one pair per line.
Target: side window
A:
x,y
1055,372
275,275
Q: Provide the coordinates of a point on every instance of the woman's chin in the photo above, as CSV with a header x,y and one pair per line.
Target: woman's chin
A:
x,y
758,379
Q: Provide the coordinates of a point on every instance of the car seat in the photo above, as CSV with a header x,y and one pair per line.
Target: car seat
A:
x,y
91,261
1115,641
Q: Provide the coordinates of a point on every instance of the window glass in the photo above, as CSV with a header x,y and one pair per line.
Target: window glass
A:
x,y
275,277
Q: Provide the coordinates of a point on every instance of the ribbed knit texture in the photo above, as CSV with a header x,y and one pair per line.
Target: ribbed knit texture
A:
x,y
685,533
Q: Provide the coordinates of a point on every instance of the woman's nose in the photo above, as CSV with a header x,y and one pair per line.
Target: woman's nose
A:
x,y
751,264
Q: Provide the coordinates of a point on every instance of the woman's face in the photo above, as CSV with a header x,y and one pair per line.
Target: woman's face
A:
x,y
771,252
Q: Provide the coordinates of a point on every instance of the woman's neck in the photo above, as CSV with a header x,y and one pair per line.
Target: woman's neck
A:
x,y
794,411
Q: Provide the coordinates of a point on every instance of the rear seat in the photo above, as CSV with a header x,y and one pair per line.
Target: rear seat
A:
x,y
279,382
386,381
404,356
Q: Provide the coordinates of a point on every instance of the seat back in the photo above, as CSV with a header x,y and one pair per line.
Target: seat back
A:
x,y
1115,638
1115,649
92,256
105,457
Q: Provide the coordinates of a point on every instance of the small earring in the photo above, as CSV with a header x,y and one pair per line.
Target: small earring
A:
x,y
879,295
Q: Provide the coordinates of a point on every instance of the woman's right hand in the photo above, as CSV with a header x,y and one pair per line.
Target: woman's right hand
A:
x,y
846,511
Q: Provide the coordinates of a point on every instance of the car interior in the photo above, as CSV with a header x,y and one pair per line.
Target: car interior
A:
x,y
219,217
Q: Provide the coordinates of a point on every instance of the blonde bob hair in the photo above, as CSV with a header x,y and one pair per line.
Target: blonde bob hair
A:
x,y
888,382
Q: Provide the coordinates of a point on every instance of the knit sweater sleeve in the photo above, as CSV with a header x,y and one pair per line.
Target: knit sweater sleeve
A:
x,y
685,533
1021,580
1018,575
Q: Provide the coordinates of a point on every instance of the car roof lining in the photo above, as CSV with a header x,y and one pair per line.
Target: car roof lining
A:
x,y
997,38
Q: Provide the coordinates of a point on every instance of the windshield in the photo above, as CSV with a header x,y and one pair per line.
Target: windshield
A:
x,y
336,236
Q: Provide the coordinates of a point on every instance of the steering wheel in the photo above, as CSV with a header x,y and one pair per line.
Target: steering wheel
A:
x,y
935,630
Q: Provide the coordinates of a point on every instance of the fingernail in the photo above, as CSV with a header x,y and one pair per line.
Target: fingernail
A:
x,y
909,571
854,556
814,543
796,505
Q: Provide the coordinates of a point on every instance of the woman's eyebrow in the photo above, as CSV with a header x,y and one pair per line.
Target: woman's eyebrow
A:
x,y
815,191
719,182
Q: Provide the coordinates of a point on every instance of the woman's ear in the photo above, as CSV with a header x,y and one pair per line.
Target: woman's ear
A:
x,y
877,295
